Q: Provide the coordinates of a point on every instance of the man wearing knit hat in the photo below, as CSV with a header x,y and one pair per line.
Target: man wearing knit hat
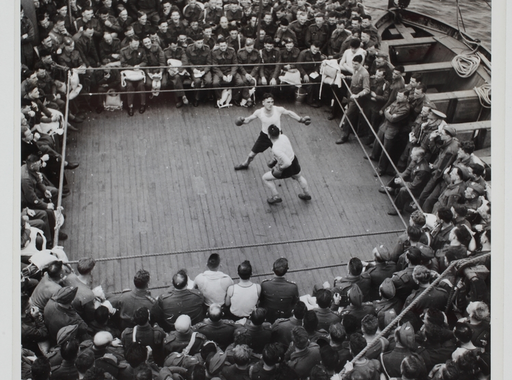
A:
x,y
213,283
382,268
184,339
59,313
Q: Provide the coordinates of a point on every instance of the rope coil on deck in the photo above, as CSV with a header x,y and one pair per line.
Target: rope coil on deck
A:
x,y
484,95
465,65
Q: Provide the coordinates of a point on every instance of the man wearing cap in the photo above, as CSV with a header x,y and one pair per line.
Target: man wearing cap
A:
x,y
382,268
249,60
83,302
278,295
59,313
388,300
414,179
357,308
178,300
355,276
284,33
405,343
382,62
130,300
183,337
472,195
448,146
213,283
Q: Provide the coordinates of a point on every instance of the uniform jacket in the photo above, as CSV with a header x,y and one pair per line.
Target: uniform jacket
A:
x,y
244,57
130,57
171,305
220,58
273,56
417,176
311,62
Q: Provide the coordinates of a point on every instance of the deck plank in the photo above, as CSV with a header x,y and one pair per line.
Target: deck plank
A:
x,y
164,182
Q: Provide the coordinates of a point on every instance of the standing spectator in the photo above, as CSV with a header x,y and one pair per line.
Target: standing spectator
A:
x,y
27,38
213,283
279,295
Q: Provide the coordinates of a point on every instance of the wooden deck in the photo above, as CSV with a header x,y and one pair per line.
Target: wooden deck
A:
x,y
163,182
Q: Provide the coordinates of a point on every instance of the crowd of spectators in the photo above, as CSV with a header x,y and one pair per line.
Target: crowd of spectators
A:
x,y
211,327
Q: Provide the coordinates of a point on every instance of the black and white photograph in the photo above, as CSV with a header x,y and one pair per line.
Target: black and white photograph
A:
x,y
155,236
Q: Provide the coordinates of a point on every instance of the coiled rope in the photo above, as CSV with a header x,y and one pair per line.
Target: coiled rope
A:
x,y
484,95
465,65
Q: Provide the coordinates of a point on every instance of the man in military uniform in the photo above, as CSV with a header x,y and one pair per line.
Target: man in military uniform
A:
x,y
436,297
279,295
403,281
309,68
414,178
198,54
326,317
143,333
355,277
257,329
130,300
177,341
175,73
282,327
134,57
383,268
318,33
249,74
270,73
177,301
221,331
225,67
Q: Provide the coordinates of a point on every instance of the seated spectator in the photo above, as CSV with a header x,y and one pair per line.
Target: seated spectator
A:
x,y
355,276
309,69
282,327
67,369
240,368
310,324
59,313
382,268
155,78
134,57
109,50
369,327
221,331
305,355
267,368
225,67
175,57
463,334
362,368
242,298
434,350
143,333
130,300
436,297
259,331
40,369
405,343
357,308
337,336
177,301
278,296
180,339
142,25
403,281
326,317
109,22
213,283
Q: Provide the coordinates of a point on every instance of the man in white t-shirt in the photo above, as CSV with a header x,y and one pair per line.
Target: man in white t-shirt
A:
x,y
268,114
213,283
284,165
